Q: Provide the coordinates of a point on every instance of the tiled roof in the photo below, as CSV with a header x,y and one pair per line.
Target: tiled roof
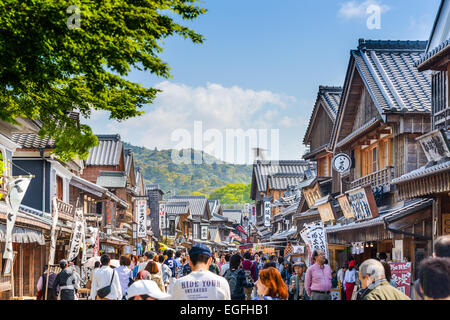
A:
x,y
214,206
422,172
32,141
425,59
107,152
176,207
280,181
393,81
329,98
234,215
407,207
365,127
262,170
197,204
112,179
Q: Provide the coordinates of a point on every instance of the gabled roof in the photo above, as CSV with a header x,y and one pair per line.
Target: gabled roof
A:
x,y
388,72
197,204
32,141
329,98
263,169
233,215
107,152
176,207
214,207
112,179
280,181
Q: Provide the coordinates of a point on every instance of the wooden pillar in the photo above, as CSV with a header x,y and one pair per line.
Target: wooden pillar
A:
x,y
31,270
20,265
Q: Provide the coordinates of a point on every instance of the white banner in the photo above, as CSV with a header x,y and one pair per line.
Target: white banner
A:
x,y
315,237
77,236
16,191
51,259
162,216
267,214
141,206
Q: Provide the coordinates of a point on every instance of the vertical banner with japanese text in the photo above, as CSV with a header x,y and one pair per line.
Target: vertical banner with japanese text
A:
x,y
401,274
77,236
51,258
141,205
267,212
17,187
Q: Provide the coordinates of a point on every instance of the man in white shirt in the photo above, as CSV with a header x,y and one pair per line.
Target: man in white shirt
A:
x,y
147,257
104,277
201,284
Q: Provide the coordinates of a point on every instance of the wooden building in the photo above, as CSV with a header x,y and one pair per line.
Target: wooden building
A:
x,y
433,179
385,105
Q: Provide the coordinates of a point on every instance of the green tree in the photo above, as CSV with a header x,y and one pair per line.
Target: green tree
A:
x,y
50,65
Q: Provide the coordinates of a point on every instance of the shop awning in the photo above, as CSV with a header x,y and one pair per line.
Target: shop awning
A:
x,y
23,235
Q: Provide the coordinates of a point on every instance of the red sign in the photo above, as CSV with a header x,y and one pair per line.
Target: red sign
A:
x,y
401,274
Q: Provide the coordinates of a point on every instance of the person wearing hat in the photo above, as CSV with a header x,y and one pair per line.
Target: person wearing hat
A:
x,y
66,281
296,282
146,290
349,280
201,284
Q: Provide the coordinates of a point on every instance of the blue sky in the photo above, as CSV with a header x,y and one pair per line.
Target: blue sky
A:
x,y
260,67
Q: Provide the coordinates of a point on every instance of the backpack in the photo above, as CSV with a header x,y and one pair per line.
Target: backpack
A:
x,y
232,278
249,278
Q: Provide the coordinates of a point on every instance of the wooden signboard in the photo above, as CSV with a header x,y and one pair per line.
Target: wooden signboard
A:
x,y
434,145
445,224
312,194
363,203
326,212
345,206
401,274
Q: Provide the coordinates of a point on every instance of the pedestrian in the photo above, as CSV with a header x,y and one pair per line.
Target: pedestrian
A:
x,y
340,278
143,275
441,250
66,282
153,270
271,286
166,272
178,265
250,275
213,267
350,280
125,274
374,285
280,264
186,267
297,284
287,272
136,267
148,255
382,256
133,262
270,264
170,262
236,279
318,278
226,265
42,286
435,278
146,290
201,284
388,274
106,283
221,262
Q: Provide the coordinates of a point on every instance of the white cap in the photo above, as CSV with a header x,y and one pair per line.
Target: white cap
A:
x,y
148,287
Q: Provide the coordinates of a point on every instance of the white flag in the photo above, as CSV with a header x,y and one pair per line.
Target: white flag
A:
x,y
17,188
77,236
53,233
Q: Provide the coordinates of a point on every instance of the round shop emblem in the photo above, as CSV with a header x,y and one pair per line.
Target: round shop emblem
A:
x,y
341,163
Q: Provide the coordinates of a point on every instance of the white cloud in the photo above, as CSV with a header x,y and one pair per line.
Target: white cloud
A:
x,y
356,9
178,106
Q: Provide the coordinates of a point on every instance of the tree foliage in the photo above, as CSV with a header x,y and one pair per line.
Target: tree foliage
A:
x,y
48,69
237,193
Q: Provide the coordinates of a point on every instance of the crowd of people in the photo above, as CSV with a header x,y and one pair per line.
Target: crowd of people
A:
x,y
204,275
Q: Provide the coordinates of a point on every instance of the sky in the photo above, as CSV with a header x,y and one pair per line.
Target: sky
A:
x,y
259,69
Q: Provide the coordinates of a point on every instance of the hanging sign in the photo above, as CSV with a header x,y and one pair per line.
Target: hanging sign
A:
x,y
141,205
363,203
341,163
345,206
162,216
267,212
17,187
435,145
77,235
401,274
204,232
312,194
314,236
